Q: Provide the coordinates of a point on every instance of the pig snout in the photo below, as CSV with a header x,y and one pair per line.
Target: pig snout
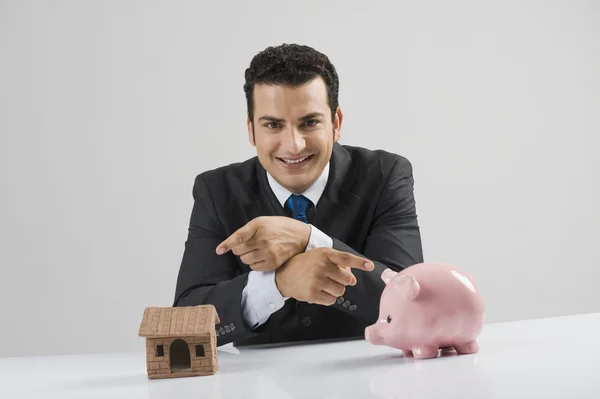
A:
x,y
373,335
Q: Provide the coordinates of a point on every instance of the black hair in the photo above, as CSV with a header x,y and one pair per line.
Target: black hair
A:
x,y
290,65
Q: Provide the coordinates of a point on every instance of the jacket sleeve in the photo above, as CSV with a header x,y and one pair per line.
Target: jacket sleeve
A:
x,y
207,278
393,241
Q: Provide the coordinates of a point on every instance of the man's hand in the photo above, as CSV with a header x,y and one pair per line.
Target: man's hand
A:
x,y
266,242
320,275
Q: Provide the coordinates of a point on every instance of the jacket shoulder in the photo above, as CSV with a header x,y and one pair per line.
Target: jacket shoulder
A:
x,y
227,177
384,161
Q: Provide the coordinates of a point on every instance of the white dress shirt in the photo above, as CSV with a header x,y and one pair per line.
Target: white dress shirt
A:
x,y
260,297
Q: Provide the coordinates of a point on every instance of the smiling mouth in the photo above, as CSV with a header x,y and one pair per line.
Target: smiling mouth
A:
x,y
295,162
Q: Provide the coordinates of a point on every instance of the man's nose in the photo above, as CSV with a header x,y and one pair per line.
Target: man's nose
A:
x,y
293,141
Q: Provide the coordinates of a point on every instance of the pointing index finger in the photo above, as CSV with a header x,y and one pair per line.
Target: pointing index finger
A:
x,y
346,259
239,237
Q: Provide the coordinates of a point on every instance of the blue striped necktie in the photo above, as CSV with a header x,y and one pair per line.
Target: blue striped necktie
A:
x,y
298,204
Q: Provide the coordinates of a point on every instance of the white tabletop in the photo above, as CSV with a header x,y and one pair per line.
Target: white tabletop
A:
x,y
555,357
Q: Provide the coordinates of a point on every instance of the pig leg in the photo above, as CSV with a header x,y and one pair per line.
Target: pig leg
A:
x,y
425,352
469,347
407,352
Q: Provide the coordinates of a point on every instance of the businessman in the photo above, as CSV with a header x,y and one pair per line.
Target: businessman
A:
x,y
290,245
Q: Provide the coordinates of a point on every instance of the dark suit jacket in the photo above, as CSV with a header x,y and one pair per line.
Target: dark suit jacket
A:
x,y
367,208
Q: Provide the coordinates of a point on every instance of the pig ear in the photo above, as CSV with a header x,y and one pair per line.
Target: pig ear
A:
x,y
388,275
409,284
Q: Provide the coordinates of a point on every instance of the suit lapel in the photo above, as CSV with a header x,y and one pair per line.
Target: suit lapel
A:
x,y
334,209
263,201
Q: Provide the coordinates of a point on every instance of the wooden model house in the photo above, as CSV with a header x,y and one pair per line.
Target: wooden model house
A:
x,y
180,341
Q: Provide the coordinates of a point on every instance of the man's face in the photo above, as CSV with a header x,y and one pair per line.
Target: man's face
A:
x,y
293,132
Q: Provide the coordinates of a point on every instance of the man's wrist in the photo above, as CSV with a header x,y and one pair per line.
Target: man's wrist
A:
x,y
278,283
318,239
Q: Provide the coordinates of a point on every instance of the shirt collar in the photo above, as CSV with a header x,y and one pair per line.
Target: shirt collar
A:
x,y
313,193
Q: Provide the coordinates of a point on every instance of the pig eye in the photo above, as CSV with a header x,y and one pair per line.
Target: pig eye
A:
x,y
389,319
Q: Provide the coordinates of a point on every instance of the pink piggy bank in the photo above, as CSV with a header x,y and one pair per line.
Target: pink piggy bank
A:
x,y
428,306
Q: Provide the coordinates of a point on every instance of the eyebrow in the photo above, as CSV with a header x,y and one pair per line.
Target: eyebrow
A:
x,y
303,118
311,116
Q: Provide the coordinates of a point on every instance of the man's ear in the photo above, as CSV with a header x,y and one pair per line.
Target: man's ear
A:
x,y
250,132
337,124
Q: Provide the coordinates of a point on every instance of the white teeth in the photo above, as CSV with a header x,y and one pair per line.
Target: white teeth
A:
x,y
291,162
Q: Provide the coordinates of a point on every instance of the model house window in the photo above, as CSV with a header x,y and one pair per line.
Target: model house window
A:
x,y
160,350
199,350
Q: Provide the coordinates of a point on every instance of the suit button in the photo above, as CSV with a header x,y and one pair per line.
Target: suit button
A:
x,y
352,308
346,304
306,321
340,300
231,326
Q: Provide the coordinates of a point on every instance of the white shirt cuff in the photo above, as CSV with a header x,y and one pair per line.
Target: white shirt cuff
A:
x,y
318,239
260,298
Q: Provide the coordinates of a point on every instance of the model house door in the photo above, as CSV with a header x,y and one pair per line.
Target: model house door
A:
x,y
180,356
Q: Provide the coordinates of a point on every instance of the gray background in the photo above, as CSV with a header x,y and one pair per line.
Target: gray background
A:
x,y
109,109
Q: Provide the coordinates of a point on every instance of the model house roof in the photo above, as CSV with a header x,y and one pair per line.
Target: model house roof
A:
x,y
178,321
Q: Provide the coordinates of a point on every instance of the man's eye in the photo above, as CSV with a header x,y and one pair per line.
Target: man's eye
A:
x,y
272,125
310,123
